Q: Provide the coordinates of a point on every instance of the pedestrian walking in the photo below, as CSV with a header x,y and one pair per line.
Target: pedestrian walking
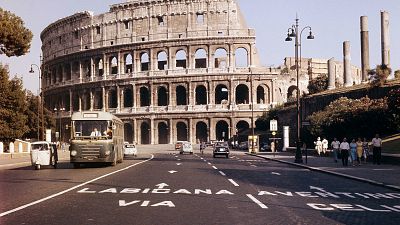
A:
x,y
365,150
377,149
335,145
359,150
353,152
344,152
318,145
324,146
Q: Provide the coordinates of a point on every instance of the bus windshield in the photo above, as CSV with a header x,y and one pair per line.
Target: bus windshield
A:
x,y
92,128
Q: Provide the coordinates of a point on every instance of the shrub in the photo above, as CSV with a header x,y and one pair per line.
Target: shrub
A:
x,y
318,84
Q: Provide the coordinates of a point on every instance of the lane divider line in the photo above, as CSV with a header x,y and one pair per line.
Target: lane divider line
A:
x,y
215,168
257,201
71,189
234,183
222,173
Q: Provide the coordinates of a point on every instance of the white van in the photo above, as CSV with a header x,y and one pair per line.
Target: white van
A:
x,y
186,148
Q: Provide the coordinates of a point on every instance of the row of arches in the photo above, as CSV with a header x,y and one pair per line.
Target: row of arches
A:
x,y
162,132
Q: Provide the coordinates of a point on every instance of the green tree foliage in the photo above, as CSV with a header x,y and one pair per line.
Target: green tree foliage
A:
x,y
12,107
394,106
351,118
15,39
379,75
318,84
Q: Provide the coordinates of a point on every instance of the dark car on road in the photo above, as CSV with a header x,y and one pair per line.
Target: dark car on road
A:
x,y
221,149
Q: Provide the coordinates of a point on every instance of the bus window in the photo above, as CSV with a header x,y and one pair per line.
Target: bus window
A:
x,y
90,128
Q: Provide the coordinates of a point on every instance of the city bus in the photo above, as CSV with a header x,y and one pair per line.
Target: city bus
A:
x,y
96,137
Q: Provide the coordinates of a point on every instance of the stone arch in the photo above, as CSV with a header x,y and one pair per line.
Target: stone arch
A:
x,y
242,94
292,93
181,131
128,97
144,97
200,58
181,98
181,59
162,60
86,101
67,69
201,95
260,95
128,132
221,94
241,57
201,131
99,67
113,65
144,61
75,101
145,133
222,130
163,133
98,99
112,99
221,58
162,96
128,63
242,127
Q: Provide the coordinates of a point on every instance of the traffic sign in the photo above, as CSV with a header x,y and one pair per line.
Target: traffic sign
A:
x,y
273,125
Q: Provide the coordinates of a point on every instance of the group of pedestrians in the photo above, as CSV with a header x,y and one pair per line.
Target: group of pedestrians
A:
x,y
354,151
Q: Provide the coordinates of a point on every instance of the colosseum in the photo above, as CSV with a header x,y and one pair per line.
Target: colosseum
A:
x,y
170,69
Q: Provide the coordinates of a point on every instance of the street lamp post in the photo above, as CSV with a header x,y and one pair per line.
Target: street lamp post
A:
x,y
40,105
252,110
58,111
294,32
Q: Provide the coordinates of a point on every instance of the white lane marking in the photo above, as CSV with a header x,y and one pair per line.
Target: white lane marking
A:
x,y
209,163
234,183
222,173
172,171
179,159
275,173
201,158
253,165
71,189
215,168
383,169
257,201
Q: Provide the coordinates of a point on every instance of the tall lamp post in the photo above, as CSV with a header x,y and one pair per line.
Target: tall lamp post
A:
x,y
293,32
58,111
252,109
40,105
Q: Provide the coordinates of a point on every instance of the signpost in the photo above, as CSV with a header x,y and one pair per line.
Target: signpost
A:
x,y
253,144
273,126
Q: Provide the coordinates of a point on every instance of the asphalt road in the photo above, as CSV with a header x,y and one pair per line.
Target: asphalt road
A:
x,y
168,188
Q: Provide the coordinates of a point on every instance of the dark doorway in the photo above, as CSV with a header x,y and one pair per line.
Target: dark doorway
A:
x,y
163,134
145,133
182,132
222,130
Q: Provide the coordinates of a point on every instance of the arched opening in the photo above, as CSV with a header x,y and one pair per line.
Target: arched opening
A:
x,y
114,66
162,96
222,130
100,67
163,134
181,131
241,58
128,63
67,69
181,59
86,101
128,98
242,94
292,94
98,100
242,130
144,97
221,94
144,61
112,99
59,74
128,132
260,95
181,98
145,133
201,58
201,95
201,132
75,102
221,58
162,59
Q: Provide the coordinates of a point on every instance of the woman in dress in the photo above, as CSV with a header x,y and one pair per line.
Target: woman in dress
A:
x,y
353,152
359,150
365,150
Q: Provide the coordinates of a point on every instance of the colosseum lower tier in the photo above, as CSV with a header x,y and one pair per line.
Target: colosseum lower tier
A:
x,y
171,70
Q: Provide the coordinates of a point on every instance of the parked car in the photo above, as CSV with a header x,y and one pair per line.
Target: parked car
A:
x,y
221,148
130,149
186,148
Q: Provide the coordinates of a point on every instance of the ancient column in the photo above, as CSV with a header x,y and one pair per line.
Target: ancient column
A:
x,y
385,38
347,79
364,48
331,74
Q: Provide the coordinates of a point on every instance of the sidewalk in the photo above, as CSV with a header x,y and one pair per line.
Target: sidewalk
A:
x,y
383,175
24,159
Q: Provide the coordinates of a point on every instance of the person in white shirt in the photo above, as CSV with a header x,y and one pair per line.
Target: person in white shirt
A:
x,y
324,145
344,152
335,145
95,133
318,145
377,149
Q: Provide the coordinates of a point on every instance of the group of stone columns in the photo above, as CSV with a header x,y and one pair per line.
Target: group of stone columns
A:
x,y
365,63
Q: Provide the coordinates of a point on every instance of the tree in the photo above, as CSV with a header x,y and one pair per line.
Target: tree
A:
x,y
318,84
379,75
12,107
394,106
15,39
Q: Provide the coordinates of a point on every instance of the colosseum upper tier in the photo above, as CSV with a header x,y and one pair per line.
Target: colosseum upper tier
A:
x,y
170,69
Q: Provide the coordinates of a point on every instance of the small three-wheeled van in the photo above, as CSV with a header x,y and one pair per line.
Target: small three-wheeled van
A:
x,y
43,153
186,148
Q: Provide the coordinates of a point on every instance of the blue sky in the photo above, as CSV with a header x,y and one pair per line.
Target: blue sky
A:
x,y
332,21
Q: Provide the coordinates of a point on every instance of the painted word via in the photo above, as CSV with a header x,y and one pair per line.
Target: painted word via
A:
x,y
146,203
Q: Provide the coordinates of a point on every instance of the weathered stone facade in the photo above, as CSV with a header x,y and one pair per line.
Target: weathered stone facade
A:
x,y
171,70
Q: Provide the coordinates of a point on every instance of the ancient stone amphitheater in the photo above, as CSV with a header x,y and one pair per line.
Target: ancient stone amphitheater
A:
x,y
170,69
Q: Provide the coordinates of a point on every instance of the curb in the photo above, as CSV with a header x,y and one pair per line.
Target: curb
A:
x,y
392,187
